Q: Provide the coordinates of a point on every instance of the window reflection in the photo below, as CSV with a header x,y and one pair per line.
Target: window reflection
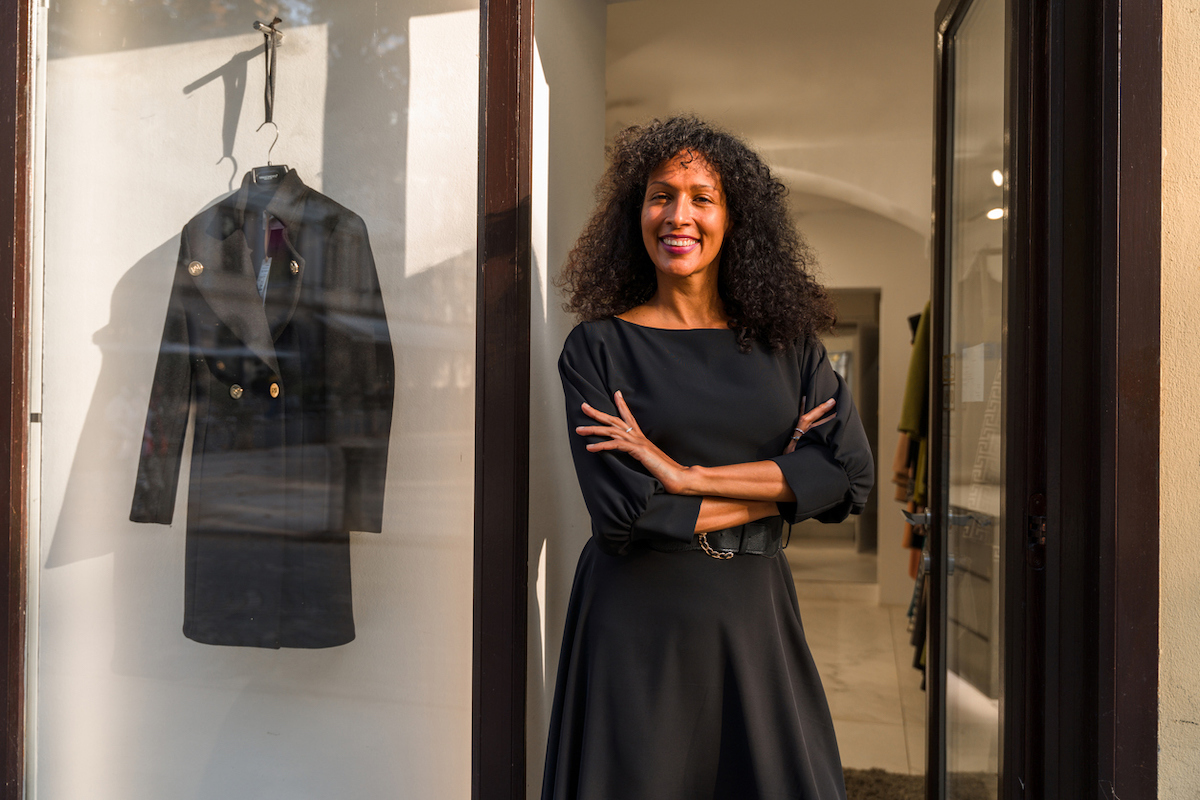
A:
x,y
151,117
973,367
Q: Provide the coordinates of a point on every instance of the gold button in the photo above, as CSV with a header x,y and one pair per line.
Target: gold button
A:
x,y
235,392
295,268
195,268
220,365
274,390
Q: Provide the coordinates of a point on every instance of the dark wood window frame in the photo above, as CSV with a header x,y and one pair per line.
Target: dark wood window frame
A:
x,y
16,155
1100,90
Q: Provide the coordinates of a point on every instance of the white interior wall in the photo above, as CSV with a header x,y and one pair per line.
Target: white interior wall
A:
x,y
837,96
570,43
858,249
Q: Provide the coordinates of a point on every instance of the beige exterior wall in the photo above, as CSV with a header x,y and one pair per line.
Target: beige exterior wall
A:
x,y
1179,670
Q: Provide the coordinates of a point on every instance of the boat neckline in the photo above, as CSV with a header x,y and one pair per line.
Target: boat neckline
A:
x,y
668,330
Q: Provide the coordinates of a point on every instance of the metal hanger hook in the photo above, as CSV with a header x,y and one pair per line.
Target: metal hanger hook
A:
x,y
273,141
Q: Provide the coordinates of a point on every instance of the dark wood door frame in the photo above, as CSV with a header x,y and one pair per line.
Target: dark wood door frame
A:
x,y
1081,613
503,286
1129,409
1095,109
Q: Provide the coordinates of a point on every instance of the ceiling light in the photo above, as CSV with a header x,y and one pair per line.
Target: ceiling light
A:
x,y
995,213
997,177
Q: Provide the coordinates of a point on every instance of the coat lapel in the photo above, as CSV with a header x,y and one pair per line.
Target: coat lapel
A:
x,y
280,313
227,285
227,280
287,205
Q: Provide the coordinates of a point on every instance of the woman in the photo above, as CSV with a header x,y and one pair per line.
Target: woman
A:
x,y
704,414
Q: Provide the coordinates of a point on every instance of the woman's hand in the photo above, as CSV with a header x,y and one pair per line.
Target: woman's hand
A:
x,y
624,434
753,481
810,420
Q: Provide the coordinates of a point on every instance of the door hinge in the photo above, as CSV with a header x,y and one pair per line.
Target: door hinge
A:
x,y
1035,532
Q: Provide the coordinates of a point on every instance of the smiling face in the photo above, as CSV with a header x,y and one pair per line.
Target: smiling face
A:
x,y
684,218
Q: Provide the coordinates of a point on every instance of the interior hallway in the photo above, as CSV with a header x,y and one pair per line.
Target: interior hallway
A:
x,y
861,649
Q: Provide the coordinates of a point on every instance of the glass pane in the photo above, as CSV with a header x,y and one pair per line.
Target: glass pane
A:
x,y
255,539
973,477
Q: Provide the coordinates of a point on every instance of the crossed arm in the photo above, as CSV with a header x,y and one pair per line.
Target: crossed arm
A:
x,y
733,494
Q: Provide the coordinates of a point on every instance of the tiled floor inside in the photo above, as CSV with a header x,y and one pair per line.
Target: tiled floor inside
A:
x,y
862,651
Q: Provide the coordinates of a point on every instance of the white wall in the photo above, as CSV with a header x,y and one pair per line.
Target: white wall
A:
x,y
860,250
837,96
570,41
377,108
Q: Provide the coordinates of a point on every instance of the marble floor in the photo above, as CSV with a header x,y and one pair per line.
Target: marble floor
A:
x,y
862,652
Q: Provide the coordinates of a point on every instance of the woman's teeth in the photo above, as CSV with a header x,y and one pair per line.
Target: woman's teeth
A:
x,y
671,241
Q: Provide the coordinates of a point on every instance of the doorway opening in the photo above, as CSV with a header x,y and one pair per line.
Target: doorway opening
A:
x,y
839,100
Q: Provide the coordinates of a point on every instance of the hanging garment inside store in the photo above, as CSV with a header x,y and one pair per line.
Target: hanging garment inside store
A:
x,y
276,343
910,470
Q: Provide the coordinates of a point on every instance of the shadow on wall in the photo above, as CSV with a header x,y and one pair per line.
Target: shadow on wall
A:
x,y
233,78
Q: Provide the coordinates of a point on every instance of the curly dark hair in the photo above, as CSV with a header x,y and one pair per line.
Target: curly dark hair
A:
x,y
764,279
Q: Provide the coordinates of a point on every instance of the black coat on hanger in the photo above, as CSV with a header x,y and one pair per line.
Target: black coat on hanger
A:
x,y
291,391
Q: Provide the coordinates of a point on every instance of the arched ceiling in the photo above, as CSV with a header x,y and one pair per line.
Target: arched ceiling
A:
x,y
837,94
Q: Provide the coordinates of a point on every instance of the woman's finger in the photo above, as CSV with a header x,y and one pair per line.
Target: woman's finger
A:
x,y
624,411
610,444
817,412
600,416
597,430
823,421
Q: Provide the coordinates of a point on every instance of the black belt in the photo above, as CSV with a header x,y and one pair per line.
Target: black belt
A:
x,y
761,538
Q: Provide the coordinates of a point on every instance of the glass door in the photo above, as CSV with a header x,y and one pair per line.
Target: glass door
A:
x,y
967,654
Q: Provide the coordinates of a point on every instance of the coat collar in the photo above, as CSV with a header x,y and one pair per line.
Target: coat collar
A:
x,y
286,203
227,281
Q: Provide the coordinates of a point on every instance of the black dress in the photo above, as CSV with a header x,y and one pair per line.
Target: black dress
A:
x,y
683,676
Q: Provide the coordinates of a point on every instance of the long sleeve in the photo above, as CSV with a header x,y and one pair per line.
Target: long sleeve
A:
x,y
831,471
167,415
365,362
625,502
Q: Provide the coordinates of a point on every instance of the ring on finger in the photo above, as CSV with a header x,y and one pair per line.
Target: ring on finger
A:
x,y
629,429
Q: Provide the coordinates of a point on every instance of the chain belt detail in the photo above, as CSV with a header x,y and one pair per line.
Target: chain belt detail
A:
x,y
761,538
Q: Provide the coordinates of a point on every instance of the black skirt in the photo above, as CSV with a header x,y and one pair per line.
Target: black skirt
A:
x,y
687,677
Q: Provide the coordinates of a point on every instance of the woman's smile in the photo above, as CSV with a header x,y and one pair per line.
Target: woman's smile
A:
x,y
684,217
679,245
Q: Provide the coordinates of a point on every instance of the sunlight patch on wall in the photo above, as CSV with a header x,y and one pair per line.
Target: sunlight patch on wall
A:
x,y
443,138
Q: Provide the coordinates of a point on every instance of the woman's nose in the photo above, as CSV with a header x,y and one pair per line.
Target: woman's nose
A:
x,y
679,212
